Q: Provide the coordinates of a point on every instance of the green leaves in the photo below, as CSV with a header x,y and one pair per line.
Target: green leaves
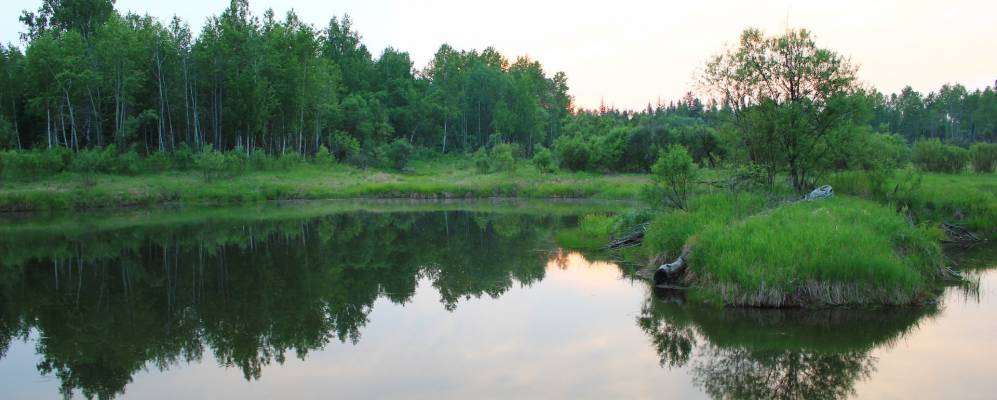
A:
x,y
674,174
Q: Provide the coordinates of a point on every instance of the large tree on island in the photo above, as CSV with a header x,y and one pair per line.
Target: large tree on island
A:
x,y
791,101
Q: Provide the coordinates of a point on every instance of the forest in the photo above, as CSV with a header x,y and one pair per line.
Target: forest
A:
x,y
91,90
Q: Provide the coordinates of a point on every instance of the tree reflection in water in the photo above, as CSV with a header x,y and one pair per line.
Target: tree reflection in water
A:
x,y
108,304
772,354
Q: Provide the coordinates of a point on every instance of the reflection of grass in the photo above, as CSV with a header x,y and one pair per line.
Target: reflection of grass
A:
x,y
817,331
449,177
95,221
774,353
831,252
592,233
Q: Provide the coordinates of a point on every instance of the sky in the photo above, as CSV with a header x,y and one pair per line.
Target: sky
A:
x,y
629,53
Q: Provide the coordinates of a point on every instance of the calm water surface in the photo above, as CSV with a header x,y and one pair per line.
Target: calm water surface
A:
x,y
455,300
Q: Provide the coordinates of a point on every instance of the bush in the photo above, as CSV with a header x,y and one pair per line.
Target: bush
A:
x,y
157,162
543,160
284,162
323,156
213,164
35,163
935,156
398,153
130,163
503,158
88,162
344,146
183,158
482,163
574,152
984,156
674,174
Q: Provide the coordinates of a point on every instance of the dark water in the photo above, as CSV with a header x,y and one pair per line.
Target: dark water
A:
x,y
458,300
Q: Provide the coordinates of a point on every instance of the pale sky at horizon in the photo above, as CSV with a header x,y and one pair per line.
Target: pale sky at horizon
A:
x,y
631,52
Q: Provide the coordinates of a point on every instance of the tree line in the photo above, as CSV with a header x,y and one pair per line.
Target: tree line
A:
x,y
90,77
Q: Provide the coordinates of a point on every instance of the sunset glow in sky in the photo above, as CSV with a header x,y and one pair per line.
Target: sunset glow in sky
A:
x,y
631,52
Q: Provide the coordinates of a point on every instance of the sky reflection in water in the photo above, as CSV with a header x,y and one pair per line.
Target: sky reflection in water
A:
x,y
433,305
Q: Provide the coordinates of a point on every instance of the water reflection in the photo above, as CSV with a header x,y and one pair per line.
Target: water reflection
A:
x,y
773,354
107,304
439,304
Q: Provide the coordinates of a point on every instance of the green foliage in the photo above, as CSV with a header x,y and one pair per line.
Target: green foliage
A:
x,y
398,153
674,175
574,153
323,156
543,160
830,252
503,157
214,164
482,162
984,156
345,147
934,156
783,126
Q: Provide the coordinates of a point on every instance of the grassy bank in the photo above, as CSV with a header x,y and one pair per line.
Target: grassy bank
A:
x,y
841,251
965,199
764,249
437,178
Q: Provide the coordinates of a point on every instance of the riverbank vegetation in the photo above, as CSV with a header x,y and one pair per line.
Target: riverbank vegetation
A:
x,y
102,109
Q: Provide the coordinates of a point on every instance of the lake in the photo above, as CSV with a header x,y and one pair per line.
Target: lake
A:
x,y
468,299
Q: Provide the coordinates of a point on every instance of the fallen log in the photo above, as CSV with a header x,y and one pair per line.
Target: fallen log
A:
x,y
632,238
672,272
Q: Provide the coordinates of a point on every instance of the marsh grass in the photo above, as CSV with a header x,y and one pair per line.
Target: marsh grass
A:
x,y
670,231
841,251
967,199
439,177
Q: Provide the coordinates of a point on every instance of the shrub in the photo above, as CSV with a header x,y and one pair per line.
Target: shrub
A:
x,y
130,163
213,164
398,153
482,163
607,151
543,160
675,174
344,146
984,156
88,162
503,158
323,156
574,152
183,158
935,156
260,161
286,160
157,162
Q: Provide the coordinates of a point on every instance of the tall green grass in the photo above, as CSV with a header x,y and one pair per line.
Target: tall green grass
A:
x,y
440,177
839,251
968,199
670,231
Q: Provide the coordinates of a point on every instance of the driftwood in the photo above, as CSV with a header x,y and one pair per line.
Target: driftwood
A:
x,y
959,235
822,192
671,272
632,238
